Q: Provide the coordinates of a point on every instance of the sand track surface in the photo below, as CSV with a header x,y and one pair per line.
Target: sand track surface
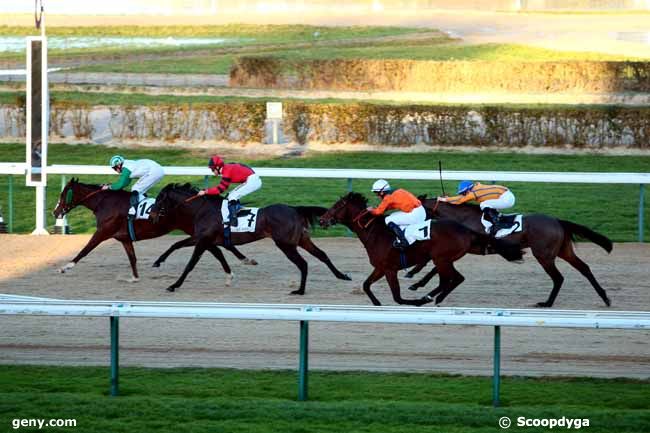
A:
x,y
28,266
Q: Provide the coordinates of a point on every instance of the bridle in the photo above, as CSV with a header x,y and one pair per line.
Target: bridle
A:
x,y
68,205
356,219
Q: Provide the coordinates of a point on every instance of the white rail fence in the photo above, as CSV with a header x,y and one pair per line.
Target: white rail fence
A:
x,y
350,174
303,314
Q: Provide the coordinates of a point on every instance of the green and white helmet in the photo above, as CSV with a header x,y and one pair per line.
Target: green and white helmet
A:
x,y
116,160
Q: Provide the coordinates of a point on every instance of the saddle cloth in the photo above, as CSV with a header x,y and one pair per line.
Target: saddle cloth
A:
x,y
246,220
418,232
143,208
513,222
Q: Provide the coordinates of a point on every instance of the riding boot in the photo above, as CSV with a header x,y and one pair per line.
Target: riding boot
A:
x,y
227,242
233,207
400,241
492,215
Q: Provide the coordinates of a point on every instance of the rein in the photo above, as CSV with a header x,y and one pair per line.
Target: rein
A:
x,y
357,219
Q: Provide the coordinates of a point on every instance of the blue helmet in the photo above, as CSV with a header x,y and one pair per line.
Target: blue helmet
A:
x,y
465,186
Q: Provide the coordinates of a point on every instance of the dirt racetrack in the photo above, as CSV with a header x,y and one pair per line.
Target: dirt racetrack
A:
x,y
28,266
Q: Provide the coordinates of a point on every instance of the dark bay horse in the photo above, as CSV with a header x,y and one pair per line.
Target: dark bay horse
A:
x,y
546,236
449,242
110,209
288,226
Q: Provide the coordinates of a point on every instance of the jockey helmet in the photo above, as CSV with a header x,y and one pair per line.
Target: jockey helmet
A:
x,y
381,186
465,186
116,161
215,161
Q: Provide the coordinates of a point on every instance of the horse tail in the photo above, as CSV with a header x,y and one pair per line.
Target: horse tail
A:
x,y
579,231
310,213
511,251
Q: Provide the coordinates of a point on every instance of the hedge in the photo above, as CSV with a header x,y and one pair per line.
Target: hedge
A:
x,y
386,125
434,76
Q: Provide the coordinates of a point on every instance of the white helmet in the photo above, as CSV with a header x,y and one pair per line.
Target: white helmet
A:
x,y
380,186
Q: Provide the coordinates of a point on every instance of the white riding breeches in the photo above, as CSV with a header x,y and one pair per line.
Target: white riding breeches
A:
x,y
506,201
403,219
145,183
252,184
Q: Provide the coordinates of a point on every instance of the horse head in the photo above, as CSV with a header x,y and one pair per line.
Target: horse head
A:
x,y
345,209
169,198
70,197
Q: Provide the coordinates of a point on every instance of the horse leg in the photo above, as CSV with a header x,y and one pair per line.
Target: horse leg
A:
x,y
373,277
423,282
570,256
187,242
292,254
556,276
130,252
455,278
415,270
99,237
242,258
393,283
216,252
199,249
307,244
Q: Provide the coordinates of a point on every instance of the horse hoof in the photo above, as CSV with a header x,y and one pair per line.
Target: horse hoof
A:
x,y
251,262
408,275
544,305
414,287
297,292
155,265
133,280
61,270
171,289
608,302
229,278
346,277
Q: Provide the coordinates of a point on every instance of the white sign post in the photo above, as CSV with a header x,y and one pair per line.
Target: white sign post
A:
x,y
274,115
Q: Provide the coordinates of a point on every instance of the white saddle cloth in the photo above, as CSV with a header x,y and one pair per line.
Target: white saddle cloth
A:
x,y
418,232
246,223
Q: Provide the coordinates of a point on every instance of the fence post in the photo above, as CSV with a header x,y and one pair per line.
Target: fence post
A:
x,y
11,204
641,205
303,367
115,355
496,375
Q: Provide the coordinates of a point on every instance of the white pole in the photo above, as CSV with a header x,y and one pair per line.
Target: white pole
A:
x,y
40,211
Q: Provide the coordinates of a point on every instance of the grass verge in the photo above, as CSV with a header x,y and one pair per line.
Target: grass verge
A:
x,y
609,209
208,400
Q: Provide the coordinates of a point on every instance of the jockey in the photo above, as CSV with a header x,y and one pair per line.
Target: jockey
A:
x,y
147,171
490,197
232,173
409,210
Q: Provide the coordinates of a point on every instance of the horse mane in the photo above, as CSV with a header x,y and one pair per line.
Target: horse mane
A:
x,y
182,187
356,198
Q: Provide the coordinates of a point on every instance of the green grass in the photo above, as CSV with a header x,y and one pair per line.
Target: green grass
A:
x,y
610,209
246,35
221,400
438,51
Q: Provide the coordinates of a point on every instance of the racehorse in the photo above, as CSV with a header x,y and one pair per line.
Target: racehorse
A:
x,y
110,209
546,236
449,241
288,226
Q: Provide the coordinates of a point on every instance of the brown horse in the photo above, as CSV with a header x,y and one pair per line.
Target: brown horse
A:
x,y
110,209
449,242
288,226
546,236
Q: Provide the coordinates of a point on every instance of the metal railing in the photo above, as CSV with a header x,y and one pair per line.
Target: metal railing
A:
x,y
630,320
350,174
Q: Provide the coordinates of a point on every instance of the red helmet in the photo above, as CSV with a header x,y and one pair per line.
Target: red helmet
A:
x,y
215,161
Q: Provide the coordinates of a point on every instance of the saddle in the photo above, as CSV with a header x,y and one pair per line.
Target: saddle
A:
x,y
507,224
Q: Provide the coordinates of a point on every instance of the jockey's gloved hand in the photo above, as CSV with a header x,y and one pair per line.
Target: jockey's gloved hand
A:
x,y
105,187
202,192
